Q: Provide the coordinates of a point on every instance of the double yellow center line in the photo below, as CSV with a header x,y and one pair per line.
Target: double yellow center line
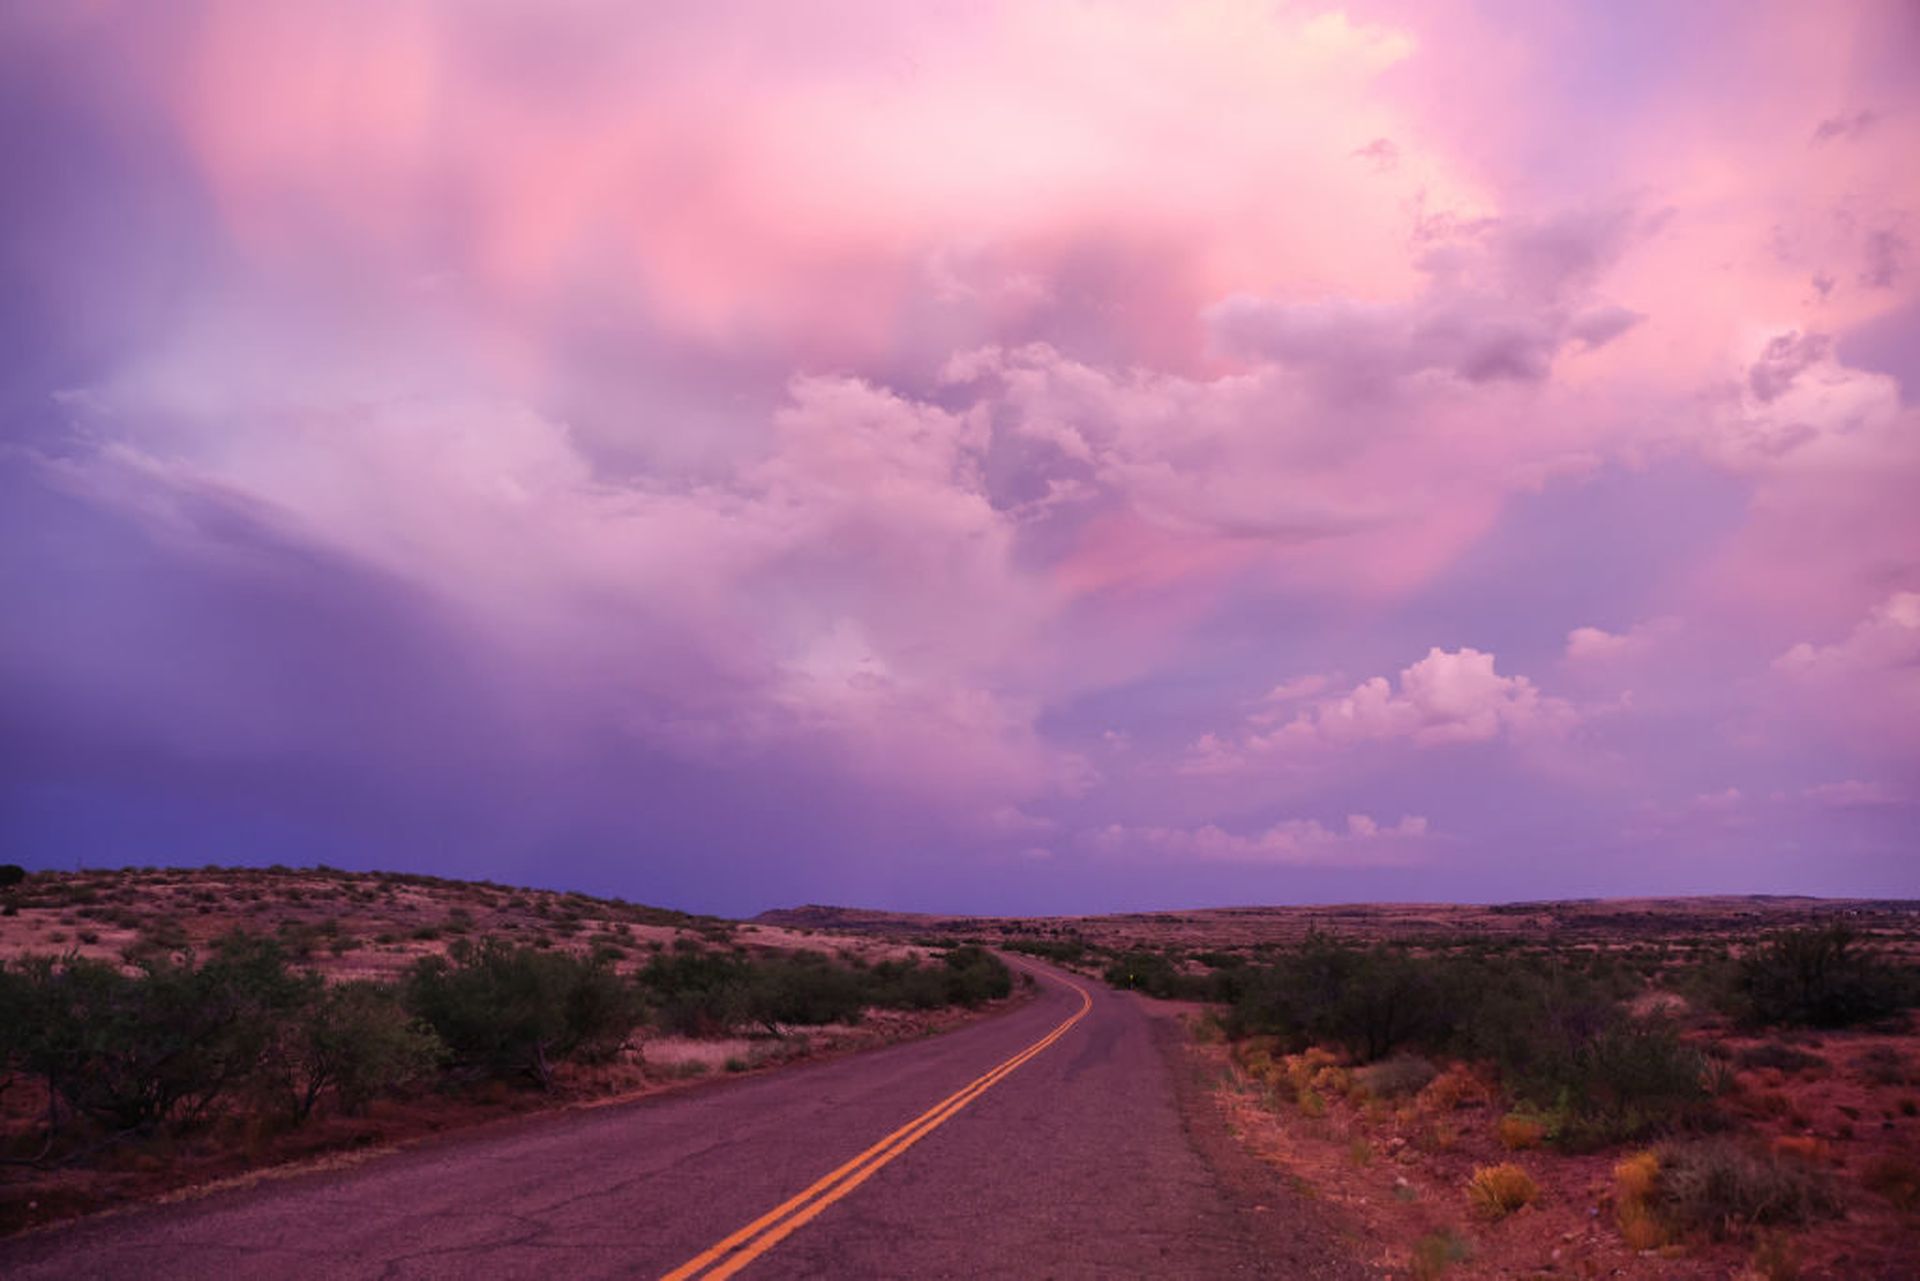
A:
x,y
732,1253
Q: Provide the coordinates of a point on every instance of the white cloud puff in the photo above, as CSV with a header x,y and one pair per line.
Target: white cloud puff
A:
x,y
1363,840
1447,697
1868,683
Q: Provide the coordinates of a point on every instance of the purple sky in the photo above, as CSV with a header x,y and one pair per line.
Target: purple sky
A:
x,y
1040,457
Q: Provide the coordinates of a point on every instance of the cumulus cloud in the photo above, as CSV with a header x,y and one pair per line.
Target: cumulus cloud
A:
x,y
1447,697
1595,645
1868,682
611,344
1362,841
1886,642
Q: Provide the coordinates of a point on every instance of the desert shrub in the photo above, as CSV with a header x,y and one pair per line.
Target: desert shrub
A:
x,y
11,874
696,991
509,1011
1370,1001
134,1051
908,985
1635,1181
1895,1176
1150,972
1528,1017
975,975
16,1029
1724,1189
1885,1065
1519,1132
1397,1077
1499,1190
358,1040
1437,1251
1776,1258
1817,978
1779,1056
160,940
805,990
1632,1079
1063,951
1455,1088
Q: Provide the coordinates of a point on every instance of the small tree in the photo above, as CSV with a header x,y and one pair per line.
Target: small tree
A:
x,y
134,1051
698,992
1816,978
358,1040
507,1011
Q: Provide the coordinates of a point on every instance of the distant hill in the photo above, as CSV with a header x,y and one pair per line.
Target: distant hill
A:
x,y
350,924
1566,920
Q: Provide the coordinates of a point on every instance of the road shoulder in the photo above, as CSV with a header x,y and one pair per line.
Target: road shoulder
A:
x,y
1301,1237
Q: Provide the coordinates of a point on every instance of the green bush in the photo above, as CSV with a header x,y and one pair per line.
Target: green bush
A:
x,y
975,975
1370,1001
701,992
1632,1079
804,990
358,1040
1150,972
697,991
507,1011
11,874
1063,951
135,1051
1555,1028
1818,978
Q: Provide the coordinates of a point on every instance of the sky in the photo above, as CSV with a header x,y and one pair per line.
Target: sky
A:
x,y
1029,457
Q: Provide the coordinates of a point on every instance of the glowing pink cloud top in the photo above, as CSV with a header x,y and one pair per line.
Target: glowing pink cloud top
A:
x,y
1040,456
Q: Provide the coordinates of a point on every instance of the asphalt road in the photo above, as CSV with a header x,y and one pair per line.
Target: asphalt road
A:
x,y
1046,1142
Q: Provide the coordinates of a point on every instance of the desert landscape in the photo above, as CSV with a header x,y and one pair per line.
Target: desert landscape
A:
x,y
1067,639
1685,1132
1707,1087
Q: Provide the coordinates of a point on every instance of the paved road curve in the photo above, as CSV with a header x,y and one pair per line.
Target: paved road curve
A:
x,y
1046,1142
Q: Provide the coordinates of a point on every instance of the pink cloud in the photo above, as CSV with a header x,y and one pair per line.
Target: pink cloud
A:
x,y
1869,681
883,385
1597,646
1362,842
1852,793
1447,697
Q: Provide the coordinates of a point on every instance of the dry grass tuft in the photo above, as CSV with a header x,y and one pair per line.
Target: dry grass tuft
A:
x,y
1724,1189
1499,1190
1397,1077
1455,1088
1635,1181
1520,1133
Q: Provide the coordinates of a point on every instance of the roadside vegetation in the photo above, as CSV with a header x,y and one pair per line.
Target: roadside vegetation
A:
x,y
1692,1100
120,1052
